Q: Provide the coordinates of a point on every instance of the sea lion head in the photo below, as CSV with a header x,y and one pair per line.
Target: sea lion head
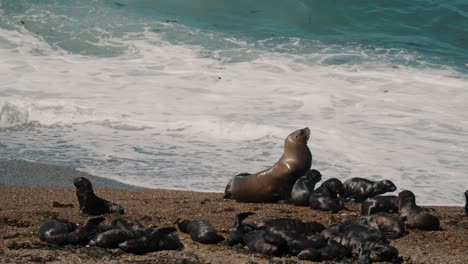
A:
x,y
405,198
333,186
300,136
313,176
81,183
182,224
385,186
466,194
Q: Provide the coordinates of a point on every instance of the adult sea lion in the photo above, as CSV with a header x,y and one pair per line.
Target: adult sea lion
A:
x,y
304,186
275,183
416,216
90,204
360,189
383,203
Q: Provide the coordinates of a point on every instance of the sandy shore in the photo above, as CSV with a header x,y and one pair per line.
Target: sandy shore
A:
x,y
24,208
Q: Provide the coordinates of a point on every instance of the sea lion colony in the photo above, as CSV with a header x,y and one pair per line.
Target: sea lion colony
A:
x,y
362,238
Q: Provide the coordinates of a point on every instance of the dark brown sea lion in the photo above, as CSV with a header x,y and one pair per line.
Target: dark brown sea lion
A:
x,y
367,244
466,204
392,226
81,236
416,216
325,197
275,183
240,228
334,251
54,227
293,225
159,239
264,243
200,230
122,230
304,186
90,204
384,203
294,232
359,189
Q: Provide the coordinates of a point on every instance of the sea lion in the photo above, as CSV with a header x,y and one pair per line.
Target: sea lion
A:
x,y
384,203
366,243
81,236
416,216
240,228
466,204
304,186
294,232
275,183
264,243
52,228
200,230
333,251
293,225
325,197
392,226
90,204
360,189
157,240
122,230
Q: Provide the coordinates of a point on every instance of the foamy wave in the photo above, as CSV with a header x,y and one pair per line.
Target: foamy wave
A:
x,y
11,116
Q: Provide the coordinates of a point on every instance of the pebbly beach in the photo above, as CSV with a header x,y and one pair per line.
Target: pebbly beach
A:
x,y
26,202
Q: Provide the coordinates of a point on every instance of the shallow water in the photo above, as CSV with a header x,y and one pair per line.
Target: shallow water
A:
x,y
184,94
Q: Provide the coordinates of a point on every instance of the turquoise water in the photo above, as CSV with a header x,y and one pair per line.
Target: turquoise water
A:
x,y
433,33
183,94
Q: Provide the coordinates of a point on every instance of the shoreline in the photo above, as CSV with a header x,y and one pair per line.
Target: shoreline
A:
x,y
34,174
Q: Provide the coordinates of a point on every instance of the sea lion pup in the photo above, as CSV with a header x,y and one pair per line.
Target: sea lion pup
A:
x,y
359,189
392,226
275,183
122,230
240,228
293,225
295,232
90,204
200,230
466,204
304,186
52,228
384,203
325,197
333,251
366,243
81,236
416,216
264,243
157,240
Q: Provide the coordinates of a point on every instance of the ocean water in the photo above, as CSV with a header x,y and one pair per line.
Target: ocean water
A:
x,y
184,94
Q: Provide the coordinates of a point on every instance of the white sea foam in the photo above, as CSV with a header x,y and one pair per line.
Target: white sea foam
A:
x,y
170,116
